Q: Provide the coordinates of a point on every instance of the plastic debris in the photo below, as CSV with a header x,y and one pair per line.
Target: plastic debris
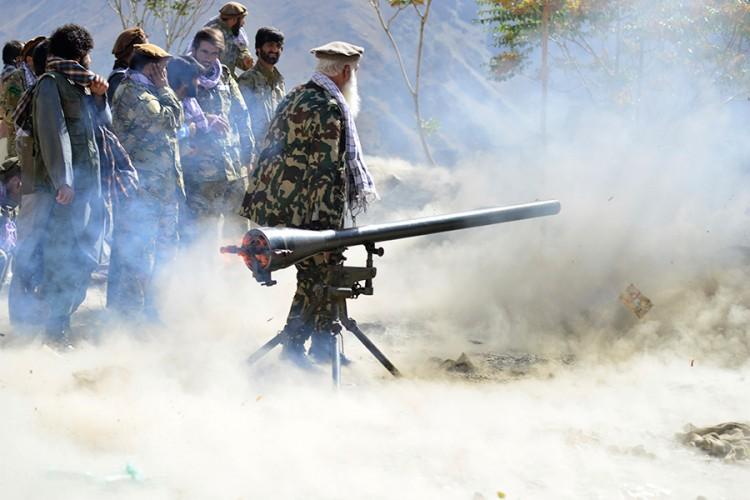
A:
x,y
129,475
636,301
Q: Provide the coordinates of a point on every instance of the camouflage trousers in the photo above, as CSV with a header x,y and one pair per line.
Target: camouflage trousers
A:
x,y
207,201
144,241
310,312
11,145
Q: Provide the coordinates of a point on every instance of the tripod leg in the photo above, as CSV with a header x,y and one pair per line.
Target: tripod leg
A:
x,y
265,349
336,361
351,325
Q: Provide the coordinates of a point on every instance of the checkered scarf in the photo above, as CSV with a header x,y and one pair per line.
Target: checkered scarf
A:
x,y
360,187
119,177
72,71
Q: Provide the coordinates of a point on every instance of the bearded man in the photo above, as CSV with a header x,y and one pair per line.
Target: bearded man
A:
x,y
309,169
263,86
215,159
231,22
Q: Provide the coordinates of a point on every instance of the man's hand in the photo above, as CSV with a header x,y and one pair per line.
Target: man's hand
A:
x,y
64,195
157,73
99,86
247,62
217,124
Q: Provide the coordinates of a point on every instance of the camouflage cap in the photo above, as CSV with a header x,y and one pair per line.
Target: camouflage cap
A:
x,y
232,9
151,51
338,50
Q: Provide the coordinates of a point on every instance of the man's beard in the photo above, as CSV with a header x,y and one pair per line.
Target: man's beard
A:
x,y
268,58
191,91
236,29
350,90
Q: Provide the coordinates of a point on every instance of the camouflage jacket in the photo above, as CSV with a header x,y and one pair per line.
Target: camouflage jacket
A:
x,y
8,69
263,91
146,120
13,87
234,53
299,177
212,156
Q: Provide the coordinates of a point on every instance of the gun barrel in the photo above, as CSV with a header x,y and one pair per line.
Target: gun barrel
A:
x,y
442,223
265,250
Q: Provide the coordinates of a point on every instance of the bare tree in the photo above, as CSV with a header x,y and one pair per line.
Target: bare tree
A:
x,y
175,19
131,12
421,8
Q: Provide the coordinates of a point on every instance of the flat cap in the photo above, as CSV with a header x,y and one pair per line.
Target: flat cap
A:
x,y
125,41
233,9
28,47
150,50
338,49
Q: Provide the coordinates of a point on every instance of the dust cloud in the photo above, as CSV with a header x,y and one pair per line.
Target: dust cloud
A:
x,y
573,396
587,406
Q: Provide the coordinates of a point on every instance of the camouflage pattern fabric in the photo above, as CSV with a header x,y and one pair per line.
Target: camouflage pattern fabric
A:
x,y
144,240
308,314
233,56
299,177
263,90
12,88
213,156
146,121
299,182
206,201
215,164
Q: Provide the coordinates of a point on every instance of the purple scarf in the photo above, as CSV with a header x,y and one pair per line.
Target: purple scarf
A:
x,y
212,78
139,77
194,113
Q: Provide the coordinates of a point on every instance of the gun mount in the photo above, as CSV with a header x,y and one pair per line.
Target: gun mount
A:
x,y
266,250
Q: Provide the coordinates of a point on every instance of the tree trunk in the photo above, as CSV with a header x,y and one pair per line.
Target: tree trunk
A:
x,y
417,85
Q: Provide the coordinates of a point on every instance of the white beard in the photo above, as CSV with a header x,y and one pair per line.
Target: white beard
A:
x,y
351,94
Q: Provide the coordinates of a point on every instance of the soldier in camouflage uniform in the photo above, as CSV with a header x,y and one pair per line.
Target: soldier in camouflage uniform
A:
x,y
263,86
215,159
14,86
11,55
230,22
146,118
301,181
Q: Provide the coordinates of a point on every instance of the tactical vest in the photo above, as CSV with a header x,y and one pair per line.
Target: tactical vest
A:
x,y
80,122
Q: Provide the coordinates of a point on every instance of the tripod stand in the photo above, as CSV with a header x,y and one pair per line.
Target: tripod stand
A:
x,y
342,283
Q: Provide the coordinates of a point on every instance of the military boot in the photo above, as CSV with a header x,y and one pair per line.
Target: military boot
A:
x,y
293,349
321,349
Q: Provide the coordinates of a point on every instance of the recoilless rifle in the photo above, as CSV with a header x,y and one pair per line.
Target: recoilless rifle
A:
x,y
265,250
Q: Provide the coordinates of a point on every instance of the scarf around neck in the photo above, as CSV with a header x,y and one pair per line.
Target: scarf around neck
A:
x,y
360,186
211,78
139,77
69,69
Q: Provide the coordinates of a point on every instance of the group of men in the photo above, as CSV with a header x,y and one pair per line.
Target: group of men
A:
x,y
163,149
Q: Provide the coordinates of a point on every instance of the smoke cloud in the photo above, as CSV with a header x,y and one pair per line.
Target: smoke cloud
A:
x,y
574,396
